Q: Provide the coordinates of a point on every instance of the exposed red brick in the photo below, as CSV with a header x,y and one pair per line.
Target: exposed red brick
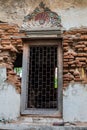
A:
x,y
74,53
8,49
75,40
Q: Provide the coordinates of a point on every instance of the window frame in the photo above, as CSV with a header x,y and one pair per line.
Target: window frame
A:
x,y
25,75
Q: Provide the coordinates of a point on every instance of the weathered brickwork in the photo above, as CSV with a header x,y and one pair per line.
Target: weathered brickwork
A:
x,y
74,52
75,56
9,47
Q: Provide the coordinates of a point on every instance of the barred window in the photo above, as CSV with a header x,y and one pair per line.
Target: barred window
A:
x,y
41,79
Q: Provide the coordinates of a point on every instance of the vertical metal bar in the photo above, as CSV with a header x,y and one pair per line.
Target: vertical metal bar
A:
x,y
29,87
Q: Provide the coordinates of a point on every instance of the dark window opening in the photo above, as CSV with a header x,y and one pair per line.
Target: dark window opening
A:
x,y
18,64
42,85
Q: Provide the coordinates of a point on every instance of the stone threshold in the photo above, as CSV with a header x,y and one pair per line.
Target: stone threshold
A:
x,y
38,123
41,123
25,126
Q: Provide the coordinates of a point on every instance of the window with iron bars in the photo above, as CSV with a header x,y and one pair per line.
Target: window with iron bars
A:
x,y
42,77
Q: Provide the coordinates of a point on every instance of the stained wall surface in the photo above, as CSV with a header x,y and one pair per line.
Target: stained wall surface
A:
x,y
72,12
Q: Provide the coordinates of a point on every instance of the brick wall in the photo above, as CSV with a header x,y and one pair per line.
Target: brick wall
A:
x,y
10,45
75,56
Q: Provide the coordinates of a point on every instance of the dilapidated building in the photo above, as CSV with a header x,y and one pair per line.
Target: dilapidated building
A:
x,y
43,62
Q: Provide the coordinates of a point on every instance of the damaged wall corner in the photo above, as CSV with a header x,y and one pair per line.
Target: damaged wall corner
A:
x,y
9,98
75,75
10,45
10,83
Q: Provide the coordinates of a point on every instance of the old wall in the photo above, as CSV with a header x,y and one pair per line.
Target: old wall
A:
x,y
75,56
72,12
9,47
75,75
10,84
74,72
9,98
75,103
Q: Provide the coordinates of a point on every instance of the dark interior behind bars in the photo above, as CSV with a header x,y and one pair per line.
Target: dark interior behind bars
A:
x,y
41,86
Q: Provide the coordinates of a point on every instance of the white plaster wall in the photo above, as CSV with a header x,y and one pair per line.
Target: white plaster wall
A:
x,y
73,17
75,103
9,99
73,12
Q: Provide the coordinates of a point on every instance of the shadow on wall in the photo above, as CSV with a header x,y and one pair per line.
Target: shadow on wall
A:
x,y
18,64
